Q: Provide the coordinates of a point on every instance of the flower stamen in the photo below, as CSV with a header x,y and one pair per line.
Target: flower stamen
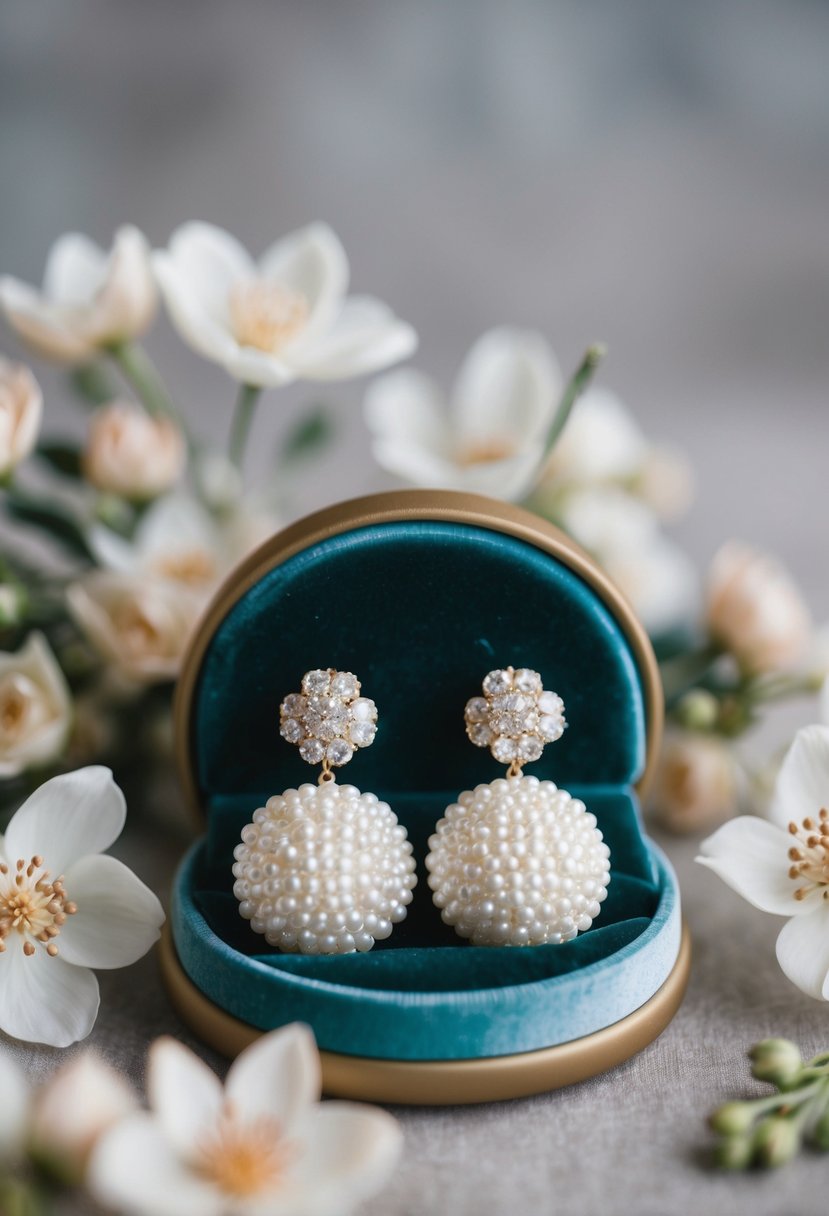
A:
x,y
244,1160
266,315
810,856
32,906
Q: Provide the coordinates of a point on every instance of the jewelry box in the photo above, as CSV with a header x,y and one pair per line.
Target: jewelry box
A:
x,y
421,592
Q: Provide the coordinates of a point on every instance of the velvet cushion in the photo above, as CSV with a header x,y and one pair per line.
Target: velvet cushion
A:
x,y
421,610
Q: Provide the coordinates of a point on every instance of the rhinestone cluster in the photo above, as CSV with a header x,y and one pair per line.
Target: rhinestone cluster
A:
x,y
515,717
324,870
329,720
518,862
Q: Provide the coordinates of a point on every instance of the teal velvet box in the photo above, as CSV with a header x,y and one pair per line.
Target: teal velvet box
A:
x,y
421,594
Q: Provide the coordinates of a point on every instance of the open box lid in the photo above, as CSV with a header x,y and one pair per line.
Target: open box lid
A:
x,y
420,593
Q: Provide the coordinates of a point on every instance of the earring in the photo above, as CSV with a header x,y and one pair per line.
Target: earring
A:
x,y
325,869
518,862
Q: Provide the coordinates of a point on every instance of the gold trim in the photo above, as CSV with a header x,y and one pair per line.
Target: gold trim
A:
x,y
447,505
445,1082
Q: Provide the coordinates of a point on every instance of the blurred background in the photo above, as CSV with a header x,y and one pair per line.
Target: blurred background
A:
x,y
654,175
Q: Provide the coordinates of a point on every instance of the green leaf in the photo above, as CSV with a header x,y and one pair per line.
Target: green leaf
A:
x,y
53,520
312,433
93,384
64,456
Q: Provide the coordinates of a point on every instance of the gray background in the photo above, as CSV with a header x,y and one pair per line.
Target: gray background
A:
x,y
651,174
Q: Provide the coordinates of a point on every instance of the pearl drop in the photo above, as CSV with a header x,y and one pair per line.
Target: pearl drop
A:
x,y
339,869
519,900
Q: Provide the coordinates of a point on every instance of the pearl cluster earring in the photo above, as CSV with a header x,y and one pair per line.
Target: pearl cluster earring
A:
x,y
325,869
519,861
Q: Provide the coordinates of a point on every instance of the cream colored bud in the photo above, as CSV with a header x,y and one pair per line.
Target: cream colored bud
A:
x,y
84,1099
132,454
666,482
35,707
696,783
755,610
21,410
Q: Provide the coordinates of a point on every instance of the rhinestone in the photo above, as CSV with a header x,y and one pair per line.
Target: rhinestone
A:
x,y
504,749
362,734
316,681
527,680
551,728
339,752
530,747
294,705
312,751
480,734
497,681
345,685
334,723
363,710
477,710
550,703
292,730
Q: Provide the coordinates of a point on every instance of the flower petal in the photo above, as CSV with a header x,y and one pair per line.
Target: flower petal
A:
x,y
184,1094
407,408
134,1169
41,324
43,999
75,270
312,263
67,818
350,1154
118,918
507,389
197,323
803,952
128,298
278,1076
751,855
802,788
210,260
365,337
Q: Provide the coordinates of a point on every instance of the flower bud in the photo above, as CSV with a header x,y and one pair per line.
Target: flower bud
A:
x,y
734,1152
84,1099
732,1119
776,1141
13,604
777,1061
696,784
21,409
819,1134
755,610
132,454
698,709
35,707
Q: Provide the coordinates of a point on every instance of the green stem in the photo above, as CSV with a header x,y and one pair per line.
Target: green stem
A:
x,y
242,419
574,388
141,373
685,670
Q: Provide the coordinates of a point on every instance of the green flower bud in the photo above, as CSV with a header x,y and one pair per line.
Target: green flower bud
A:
x,y
734,1152
777,1061
698,710
819,1134
776,1141
732,1119
13,604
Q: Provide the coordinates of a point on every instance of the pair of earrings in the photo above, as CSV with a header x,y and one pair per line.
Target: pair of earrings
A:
x,y
326,869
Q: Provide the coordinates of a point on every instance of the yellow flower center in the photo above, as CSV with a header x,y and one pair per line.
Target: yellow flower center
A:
x,y
485,451
32,906
18,699
244,1160
193,568
810,856
266,315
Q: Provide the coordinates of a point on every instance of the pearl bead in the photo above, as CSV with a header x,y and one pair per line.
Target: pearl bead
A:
x,y
519,901
334,887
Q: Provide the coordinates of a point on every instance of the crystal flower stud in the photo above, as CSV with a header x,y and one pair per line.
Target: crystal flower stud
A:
x,y
517,862
325,869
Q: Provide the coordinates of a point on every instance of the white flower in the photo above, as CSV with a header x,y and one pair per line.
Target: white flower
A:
x,y
64,909
141,625
130,453
91,298
658,578
286,318
263,1146
35,707
489,438
84,1099
177,539
15,1103
697,781
21,409
755,610
781,865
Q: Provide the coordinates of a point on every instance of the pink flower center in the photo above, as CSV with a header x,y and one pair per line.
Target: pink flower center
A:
x,y
245,1159
810,856
32,907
